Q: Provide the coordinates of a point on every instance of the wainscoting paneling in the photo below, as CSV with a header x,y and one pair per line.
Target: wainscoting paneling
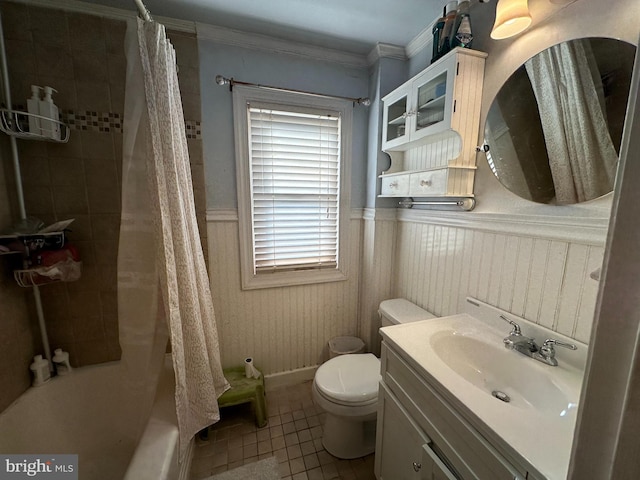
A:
x,y
543,280
284,328
377,268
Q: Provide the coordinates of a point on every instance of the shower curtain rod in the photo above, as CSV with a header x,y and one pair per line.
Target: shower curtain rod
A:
x,y
144,12
220,80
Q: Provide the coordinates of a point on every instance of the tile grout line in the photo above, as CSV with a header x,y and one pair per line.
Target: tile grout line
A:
x,y
293,435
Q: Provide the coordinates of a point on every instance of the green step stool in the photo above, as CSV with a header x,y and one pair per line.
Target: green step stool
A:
x,y
245,390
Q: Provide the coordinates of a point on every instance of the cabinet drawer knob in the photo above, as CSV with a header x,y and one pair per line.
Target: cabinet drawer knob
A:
x,y
417,466
393,185
425,183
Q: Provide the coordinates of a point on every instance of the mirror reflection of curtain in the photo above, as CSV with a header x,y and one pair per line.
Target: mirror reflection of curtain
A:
x,y
568,90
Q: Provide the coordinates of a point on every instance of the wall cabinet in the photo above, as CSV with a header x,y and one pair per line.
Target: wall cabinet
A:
x,y
420,436
430,124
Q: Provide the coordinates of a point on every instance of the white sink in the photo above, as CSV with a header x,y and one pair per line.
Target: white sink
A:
x,y
465,360
492,368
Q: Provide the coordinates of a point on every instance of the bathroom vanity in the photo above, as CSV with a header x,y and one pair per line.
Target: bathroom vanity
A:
x,y
455,404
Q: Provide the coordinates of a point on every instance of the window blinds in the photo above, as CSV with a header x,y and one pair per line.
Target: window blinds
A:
x,y
295,179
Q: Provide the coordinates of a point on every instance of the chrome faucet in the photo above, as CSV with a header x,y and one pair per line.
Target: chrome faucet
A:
x,y
527,346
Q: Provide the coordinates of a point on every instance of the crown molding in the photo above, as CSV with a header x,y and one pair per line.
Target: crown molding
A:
x,y
386,50
228,36
421,41
109,12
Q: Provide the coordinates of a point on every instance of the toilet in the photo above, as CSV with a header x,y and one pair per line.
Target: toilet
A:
x,y
346,388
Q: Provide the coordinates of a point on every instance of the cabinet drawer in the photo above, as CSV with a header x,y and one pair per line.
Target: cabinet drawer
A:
x,y
428,184
395,185
469,453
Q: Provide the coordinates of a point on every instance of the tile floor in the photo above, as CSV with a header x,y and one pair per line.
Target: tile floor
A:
x,y
293,435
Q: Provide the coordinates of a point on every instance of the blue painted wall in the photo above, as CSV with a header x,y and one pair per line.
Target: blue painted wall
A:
x,y
281,70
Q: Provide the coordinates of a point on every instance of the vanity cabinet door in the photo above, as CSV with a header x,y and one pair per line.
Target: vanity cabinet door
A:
x,y
400,452
439,471
404,451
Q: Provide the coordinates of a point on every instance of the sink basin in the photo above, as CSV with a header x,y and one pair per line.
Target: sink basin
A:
x,y
463,358
495,370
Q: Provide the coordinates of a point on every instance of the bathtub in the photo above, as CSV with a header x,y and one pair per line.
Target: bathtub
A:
x,y
80,414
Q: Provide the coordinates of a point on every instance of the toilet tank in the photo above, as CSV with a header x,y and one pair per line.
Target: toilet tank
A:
x,y
400,310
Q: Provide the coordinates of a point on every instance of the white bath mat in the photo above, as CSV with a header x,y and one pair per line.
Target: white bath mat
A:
x,y
266,469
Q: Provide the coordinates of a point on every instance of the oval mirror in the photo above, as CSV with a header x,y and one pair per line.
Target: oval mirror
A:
x,y
554,128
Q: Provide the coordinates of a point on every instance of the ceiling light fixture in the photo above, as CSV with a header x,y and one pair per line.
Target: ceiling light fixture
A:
x,y
512,18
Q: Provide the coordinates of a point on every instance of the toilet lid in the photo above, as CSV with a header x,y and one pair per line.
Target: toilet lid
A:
x,y
350,378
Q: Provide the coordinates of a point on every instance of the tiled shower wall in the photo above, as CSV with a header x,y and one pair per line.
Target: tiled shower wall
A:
x,y
16,338
82,56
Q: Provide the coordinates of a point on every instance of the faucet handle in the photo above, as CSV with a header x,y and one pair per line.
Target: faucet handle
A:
x,y
547,353
516,328
550,342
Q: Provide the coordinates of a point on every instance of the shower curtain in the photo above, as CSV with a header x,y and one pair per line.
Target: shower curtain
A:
x,y
163,287
568,89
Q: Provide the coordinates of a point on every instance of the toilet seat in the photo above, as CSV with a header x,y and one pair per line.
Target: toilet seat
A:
x,y
349,379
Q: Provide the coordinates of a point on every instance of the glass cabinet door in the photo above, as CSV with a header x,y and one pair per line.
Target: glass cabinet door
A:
x,y
397,119
430,107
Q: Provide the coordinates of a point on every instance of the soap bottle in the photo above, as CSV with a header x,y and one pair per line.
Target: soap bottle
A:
x,y
437,37
40,369
61,361
33,108
461,35
449,20
48,109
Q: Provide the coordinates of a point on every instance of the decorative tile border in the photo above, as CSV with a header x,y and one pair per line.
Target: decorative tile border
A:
x,y
106,122
109,122
193,129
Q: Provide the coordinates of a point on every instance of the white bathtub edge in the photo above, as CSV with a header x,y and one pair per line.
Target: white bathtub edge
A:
x,y
185,466
157,453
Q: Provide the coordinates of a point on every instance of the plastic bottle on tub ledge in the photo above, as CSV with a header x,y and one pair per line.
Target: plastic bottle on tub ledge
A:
x,y
61,361
40,369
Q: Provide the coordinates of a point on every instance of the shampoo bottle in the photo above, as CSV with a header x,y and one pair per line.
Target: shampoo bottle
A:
x,y
40,369
33,107
61,361
48,109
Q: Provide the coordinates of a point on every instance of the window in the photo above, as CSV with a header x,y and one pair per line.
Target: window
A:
x,y
291,158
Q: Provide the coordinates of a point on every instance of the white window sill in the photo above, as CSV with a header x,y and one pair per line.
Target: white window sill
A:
x,y
290,279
